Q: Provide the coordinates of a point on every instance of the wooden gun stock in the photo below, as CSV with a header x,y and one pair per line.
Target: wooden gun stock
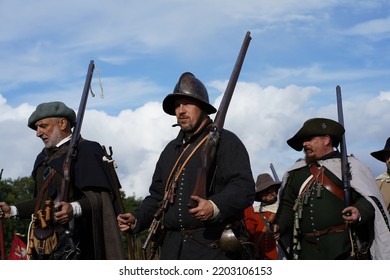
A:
x,y
210,147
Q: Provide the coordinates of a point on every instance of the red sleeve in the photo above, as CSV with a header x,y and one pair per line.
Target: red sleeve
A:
x,y
250,220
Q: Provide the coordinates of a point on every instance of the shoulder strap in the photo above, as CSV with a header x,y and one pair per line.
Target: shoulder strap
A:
x,y
319,174
379,204
48,179
184,157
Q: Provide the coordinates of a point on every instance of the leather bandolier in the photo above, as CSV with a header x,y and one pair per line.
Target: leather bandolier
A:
x,y
46,238
314,185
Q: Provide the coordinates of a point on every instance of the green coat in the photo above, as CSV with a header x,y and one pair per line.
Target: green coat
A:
x,y
321,210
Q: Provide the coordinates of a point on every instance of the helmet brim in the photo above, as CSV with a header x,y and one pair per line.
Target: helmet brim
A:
x,y
169,103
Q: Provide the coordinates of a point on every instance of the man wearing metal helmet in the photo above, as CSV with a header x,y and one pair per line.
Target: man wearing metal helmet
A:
x,y
312,207
88,213
194,233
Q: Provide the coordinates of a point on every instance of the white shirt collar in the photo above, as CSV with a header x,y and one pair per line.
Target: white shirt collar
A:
x,y
66,139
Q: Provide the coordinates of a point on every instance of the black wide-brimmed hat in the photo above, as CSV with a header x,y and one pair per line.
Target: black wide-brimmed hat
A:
x,y
51,109
380,155
263,182
317,127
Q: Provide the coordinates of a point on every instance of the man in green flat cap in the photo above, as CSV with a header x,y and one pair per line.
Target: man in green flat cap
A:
x,y
312,208
80,227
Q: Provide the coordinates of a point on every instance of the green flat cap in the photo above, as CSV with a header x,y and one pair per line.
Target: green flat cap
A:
x,y
51,109
317,127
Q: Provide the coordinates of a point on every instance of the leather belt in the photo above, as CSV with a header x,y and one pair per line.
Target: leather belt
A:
x,y
187,232
318,233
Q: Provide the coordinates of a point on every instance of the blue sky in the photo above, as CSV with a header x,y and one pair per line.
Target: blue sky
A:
x,y
299,52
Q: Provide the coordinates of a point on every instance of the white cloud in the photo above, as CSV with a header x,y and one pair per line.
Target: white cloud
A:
x,y
299,52
375,28
263,118
384,96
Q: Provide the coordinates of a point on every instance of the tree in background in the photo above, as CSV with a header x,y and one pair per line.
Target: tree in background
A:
x,y
21,189
13,191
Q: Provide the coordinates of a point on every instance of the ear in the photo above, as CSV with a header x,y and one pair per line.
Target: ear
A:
x,y
328,140
63,123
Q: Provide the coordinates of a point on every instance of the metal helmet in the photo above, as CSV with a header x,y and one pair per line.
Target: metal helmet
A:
x,y
188,86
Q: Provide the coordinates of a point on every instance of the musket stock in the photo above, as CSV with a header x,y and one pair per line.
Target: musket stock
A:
x,y
210,147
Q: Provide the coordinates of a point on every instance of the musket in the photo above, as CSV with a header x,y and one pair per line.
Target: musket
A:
x,y
72,152
156,229
116,187
73,146
274,172
345,168
346,176
2,246
209,149
280,243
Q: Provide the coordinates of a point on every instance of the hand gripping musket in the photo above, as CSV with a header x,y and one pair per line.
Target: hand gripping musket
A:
x,y
209,149
74,141
357,247
116,187
2,247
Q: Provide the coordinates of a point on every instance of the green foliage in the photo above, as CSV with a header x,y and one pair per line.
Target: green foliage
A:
x,y
130,202
136,241
22,189
14,191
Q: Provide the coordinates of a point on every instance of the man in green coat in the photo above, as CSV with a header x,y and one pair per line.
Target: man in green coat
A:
x,y
312,205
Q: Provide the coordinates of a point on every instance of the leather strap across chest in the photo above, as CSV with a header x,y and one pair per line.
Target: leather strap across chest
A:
x,y
182,160
48,179
319,175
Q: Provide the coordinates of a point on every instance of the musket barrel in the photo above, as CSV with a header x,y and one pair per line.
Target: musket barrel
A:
x,y
222,109
345,172
274,172
72,151
209,148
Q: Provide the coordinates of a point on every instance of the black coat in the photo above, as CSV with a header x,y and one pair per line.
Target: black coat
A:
x,y
91,186
231,189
